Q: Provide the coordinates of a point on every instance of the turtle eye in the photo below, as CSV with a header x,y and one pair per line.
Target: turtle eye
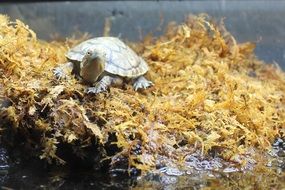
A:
x,y
89,53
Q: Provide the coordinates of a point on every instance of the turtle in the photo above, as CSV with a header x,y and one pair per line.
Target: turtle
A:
x,y
103,61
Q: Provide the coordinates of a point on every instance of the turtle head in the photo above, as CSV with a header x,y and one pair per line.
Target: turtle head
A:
x,y
92,66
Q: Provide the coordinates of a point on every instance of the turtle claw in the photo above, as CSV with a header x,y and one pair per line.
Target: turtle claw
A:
x,y
101,86
95,90
59,73
141,82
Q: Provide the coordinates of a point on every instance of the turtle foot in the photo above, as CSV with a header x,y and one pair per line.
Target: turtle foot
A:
x,y
142,82
95,90
101,86
59,73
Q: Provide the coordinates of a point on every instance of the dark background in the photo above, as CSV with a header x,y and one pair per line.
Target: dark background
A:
x,y
255,20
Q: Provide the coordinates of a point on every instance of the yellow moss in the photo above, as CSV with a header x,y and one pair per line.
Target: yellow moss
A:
x,y
203,98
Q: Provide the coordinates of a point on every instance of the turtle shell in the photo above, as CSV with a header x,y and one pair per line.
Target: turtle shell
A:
x,y
119,58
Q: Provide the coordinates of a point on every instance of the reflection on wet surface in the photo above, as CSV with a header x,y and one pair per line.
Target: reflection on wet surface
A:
x,y
34,174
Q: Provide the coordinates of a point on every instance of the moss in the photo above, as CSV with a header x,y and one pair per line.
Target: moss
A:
x,y
210,93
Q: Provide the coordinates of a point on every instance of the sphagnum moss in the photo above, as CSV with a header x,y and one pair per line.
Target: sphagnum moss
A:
x,y
210,94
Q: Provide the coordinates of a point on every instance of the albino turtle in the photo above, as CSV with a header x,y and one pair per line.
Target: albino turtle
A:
x,y
104,61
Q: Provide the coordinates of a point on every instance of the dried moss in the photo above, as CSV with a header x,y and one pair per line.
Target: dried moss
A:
x,y
210,94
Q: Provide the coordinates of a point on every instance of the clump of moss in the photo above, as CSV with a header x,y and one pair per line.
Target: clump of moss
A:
x,y
210,94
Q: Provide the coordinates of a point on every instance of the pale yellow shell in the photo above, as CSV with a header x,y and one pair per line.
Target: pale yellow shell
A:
x,y
119,58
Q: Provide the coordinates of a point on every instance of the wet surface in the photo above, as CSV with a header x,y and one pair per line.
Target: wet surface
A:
x,y
34,174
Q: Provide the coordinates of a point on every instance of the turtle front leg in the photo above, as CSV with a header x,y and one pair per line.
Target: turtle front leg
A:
x,y
141,82
102,85
62,70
